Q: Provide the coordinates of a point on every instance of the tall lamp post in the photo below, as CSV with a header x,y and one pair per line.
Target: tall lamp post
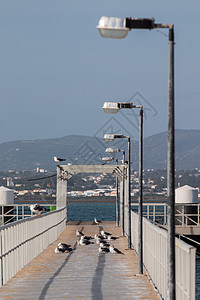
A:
x,y
105,161
111,138
119,28
114,107
111,151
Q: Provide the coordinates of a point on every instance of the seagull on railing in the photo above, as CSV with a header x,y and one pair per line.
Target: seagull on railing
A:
x,y
58,159
37,208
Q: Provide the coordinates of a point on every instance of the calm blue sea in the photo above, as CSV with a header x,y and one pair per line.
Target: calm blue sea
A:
x,y
87,211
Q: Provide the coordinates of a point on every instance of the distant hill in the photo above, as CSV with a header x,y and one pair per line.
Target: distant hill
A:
x,y
187,150
30,154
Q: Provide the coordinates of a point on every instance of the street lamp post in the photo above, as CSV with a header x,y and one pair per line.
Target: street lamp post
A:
x,y
119,28
106,160
114,107
111,138
110,151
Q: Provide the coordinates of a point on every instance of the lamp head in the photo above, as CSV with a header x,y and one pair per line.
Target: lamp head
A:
x,y
111,107
115,28
109,137
106,159
111,150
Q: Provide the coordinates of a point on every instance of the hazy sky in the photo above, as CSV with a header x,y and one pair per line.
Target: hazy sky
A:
x,y
56,70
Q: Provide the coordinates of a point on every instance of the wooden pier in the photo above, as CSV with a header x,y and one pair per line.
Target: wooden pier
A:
x,y
83,273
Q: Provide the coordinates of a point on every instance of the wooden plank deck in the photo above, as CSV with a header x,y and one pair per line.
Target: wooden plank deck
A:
x,y
83,273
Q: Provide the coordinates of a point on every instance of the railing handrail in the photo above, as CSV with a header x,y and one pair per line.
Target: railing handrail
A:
x,y
29,219
33,237
27,237
155,259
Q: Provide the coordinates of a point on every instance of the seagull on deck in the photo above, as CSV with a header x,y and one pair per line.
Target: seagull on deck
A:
x,y
37,208
96,236
84,241
104,233
96,221
58,160
104,244
62,248
103,249
79,233
115,250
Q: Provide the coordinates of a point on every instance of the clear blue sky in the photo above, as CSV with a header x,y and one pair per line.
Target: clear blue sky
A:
x,y
56,71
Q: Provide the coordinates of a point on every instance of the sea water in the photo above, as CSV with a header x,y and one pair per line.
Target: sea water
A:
x,y
86,211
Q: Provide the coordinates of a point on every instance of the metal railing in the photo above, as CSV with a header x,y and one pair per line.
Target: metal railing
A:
x,y
15,212
23,240
185,214
155,259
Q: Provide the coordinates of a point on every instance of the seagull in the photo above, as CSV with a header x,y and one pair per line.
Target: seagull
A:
x,y
103,249
104,237
104,244
96,221
98,240
58,160
79,233
115,250
62,247
37,209
105,233
84,242
96,236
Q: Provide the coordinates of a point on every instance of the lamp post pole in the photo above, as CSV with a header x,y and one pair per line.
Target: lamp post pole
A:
x,y
110,151
108,159
122,214
111,138
129,192
114,107
117,202
171,172
140,210
118,28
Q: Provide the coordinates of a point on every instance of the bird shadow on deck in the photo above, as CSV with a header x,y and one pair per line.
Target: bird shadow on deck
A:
x,y
45,289
97,279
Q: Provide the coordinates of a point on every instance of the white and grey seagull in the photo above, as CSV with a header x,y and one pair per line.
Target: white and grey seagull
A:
x,y
84,241
79,233
114,250
104,233
37,209
58,159
96,221
103,249
62,248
